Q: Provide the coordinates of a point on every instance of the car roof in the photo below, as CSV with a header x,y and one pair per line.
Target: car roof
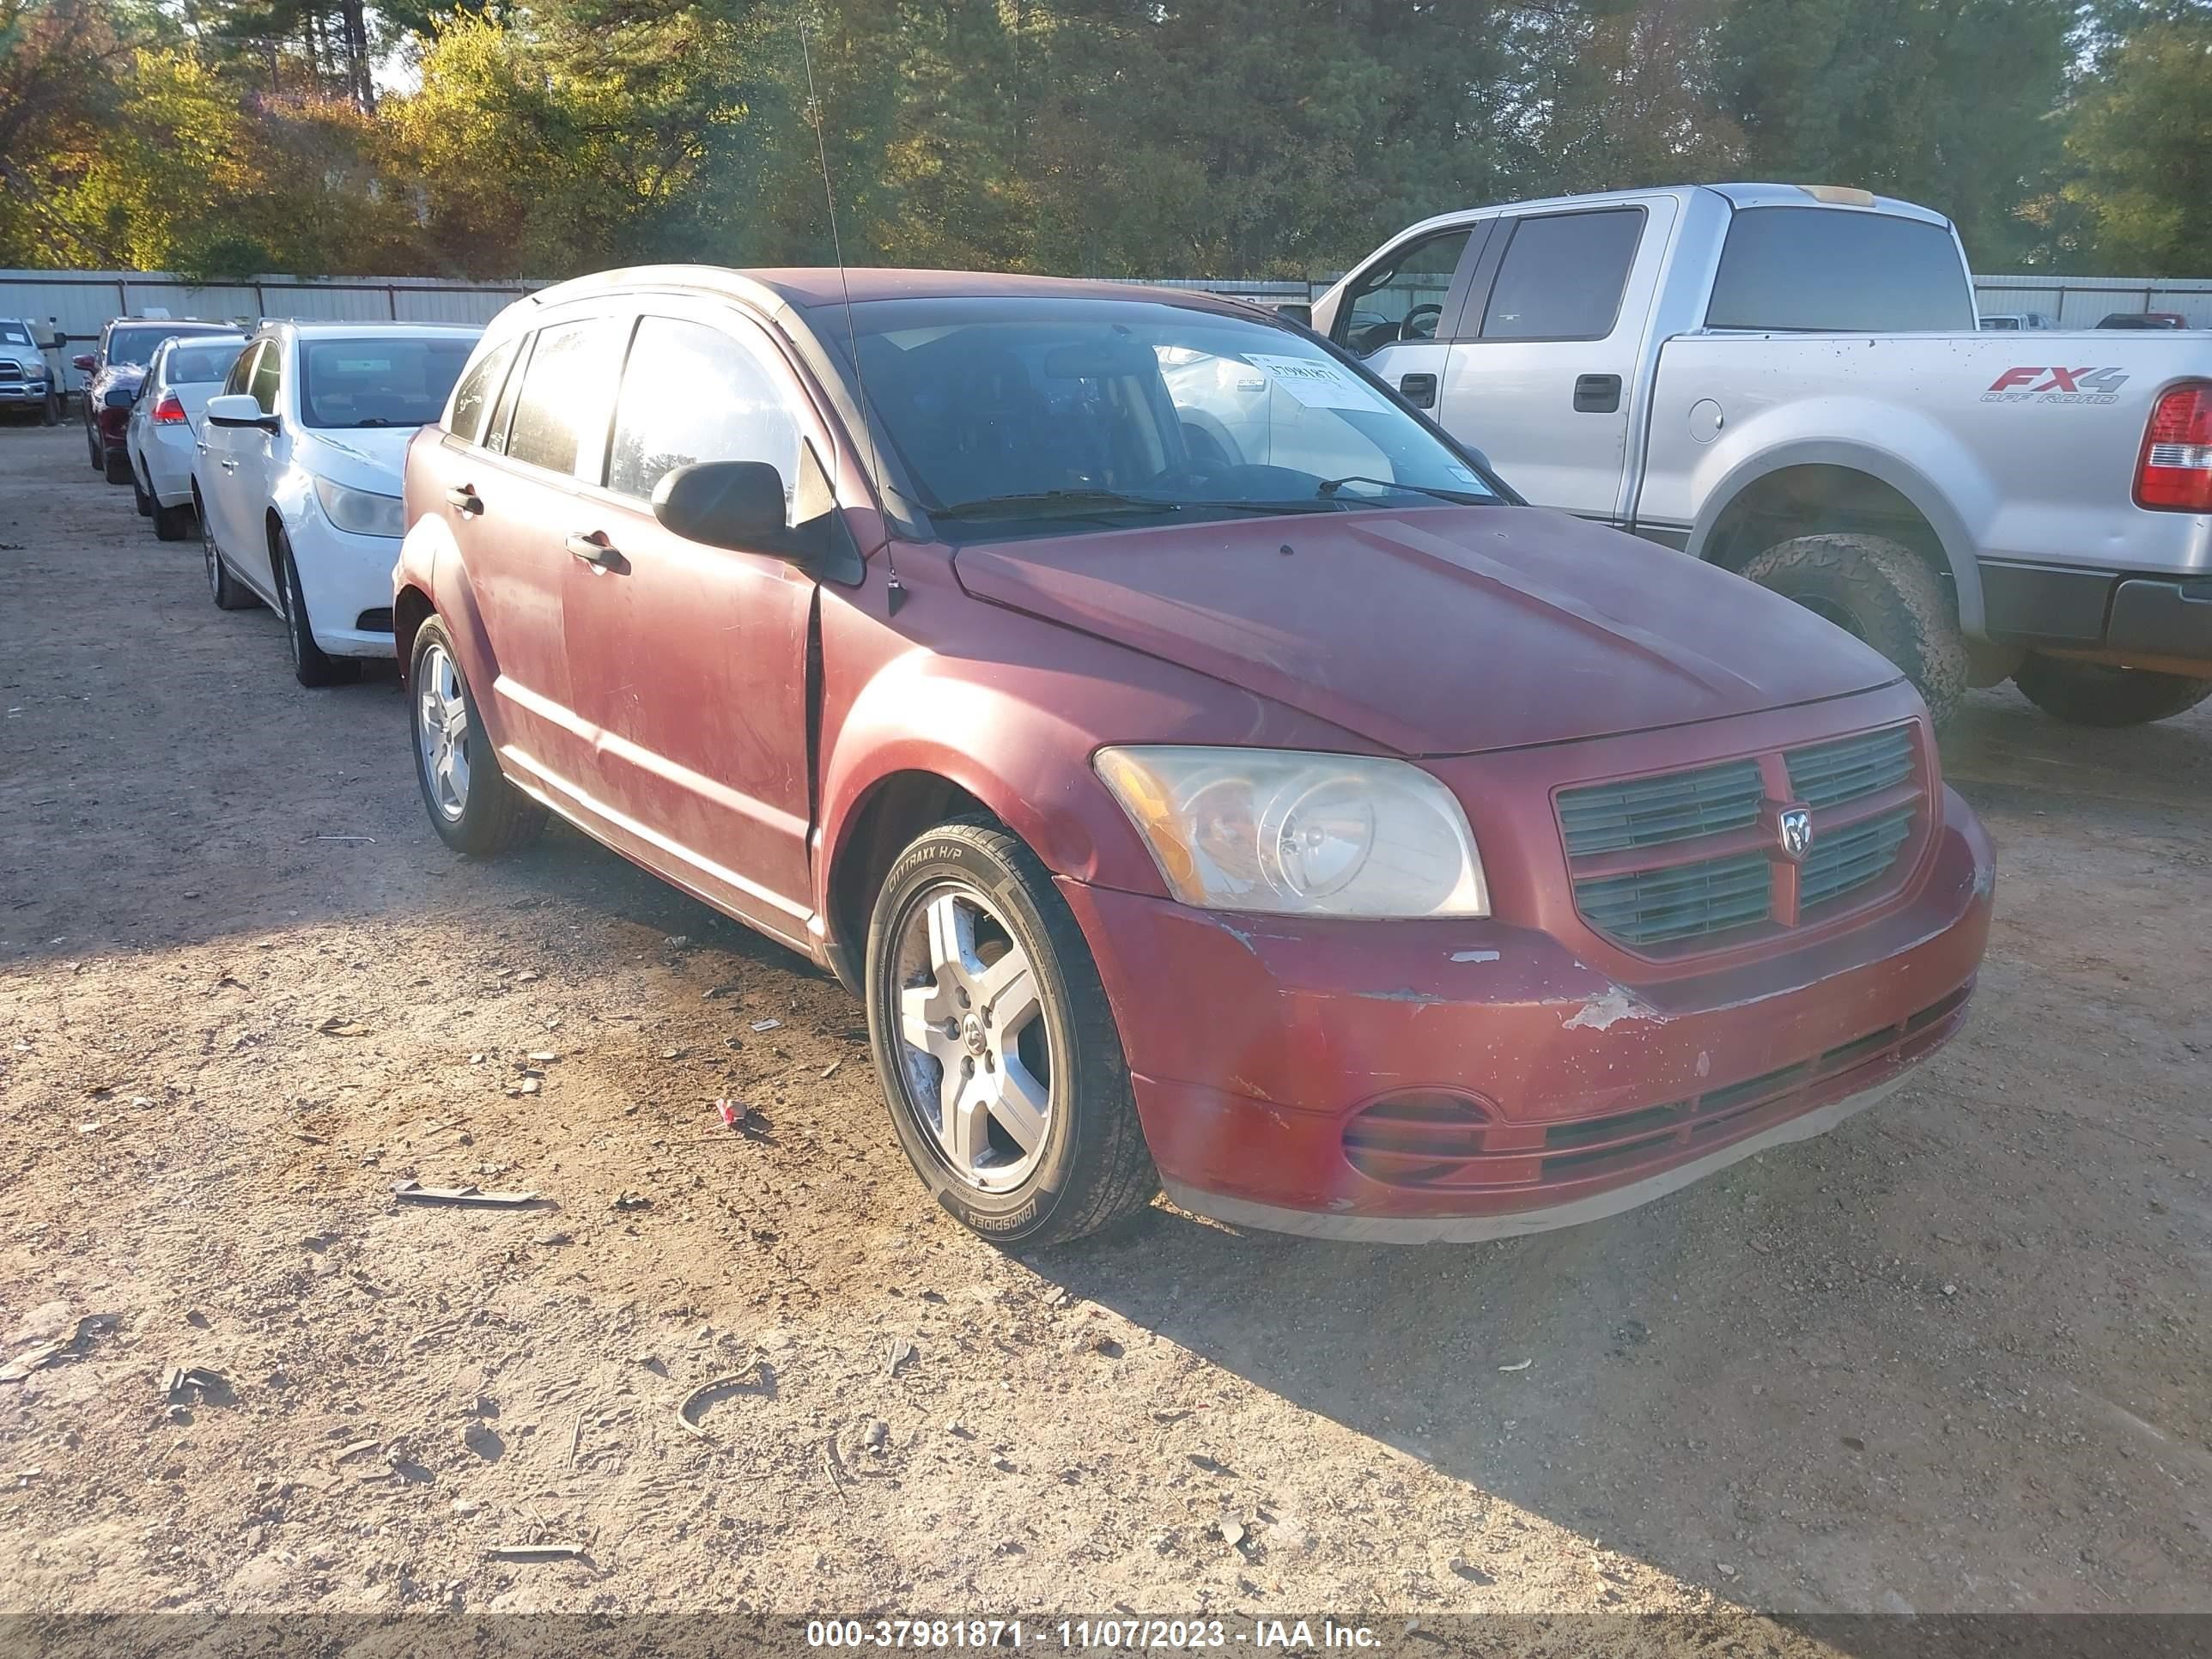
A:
x,y
1736,195
365,331
182,325
809,288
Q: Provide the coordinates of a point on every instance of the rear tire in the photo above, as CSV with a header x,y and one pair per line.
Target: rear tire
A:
x,y
487,815
2099,694
1884,593
311,664
1089,1167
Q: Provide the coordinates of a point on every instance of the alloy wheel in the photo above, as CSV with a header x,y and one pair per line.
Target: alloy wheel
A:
x,y
973,1042
441,731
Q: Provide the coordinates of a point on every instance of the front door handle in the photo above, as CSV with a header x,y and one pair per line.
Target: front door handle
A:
x,y
1597,394
594,549
465,499
1419,390
226,464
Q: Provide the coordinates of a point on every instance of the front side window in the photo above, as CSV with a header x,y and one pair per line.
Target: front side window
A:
x,y
1036,415
268,376
1563,276
1402,297
472,398
1825,269
691,393
566,388
378,380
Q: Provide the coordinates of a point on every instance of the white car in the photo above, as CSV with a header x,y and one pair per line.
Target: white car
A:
x,y
165,425
296,477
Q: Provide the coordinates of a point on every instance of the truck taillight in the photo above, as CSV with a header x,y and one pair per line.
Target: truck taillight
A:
x,y
2175,472
170,412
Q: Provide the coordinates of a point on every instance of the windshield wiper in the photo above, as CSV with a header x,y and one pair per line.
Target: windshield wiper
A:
x,y
1086,503
1461,497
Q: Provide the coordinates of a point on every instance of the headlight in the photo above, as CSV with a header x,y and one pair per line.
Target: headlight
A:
x,y
360,511
1272,830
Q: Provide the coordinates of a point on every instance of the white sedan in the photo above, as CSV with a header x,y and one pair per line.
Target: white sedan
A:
x,y
164,426
296,476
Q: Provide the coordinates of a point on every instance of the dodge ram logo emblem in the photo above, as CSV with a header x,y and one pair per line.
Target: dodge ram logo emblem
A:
x,y
1796,829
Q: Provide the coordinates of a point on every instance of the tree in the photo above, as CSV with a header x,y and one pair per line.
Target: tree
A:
x,y
2141,141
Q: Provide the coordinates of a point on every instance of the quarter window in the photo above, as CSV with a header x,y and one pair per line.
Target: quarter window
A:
x,y
1403,297
472,399
241,378
691,393
562,411
1838,268
1563,276
268,376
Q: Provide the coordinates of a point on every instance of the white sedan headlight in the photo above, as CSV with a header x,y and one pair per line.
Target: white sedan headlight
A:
x,y
1291,833
360,511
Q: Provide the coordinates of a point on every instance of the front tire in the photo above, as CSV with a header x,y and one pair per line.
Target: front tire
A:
x,y
140,496
999,1060
2099,694
1881,592
116,465
311,664
229,592
474,808
173,523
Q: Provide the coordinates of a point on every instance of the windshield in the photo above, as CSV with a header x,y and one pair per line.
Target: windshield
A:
x,y
134,347
378,381
1011,415
191,365
14,334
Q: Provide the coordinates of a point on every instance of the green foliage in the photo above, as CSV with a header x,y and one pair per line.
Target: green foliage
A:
x,y
1246,137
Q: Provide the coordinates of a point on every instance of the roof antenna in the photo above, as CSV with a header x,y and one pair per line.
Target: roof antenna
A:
x,y
895,590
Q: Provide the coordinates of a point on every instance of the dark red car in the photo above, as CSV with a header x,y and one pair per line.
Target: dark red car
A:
x,y
112,375
1209,775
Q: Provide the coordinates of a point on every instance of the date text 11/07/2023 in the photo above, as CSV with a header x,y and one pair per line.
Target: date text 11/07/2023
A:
x,y
1291,1635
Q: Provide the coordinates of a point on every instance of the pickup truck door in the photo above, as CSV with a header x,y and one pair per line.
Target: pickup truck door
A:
x,y
1398,314
1547,376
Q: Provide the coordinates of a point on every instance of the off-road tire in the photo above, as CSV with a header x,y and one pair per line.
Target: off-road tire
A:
x,y
1882,591
2099,694
1096,1169
497,818
312,665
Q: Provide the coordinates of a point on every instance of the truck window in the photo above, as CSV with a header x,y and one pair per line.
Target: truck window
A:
x,y
1402,297
1827,269
1563,275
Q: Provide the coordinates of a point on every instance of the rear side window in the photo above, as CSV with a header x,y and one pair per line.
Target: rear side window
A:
x,y
267,377
565,389
692,394
472,399
1563,276
1827,269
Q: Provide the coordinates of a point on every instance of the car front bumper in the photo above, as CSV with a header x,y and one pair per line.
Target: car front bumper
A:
x,y
347,582
22,394
1265,1051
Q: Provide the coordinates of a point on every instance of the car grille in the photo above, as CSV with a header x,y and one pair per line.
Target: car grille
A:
x,y
11,371
1452,1143
1689,860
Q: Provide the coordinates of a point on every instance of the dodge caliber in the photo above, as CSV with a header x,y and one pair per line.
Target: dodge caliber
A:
x,y
1210,776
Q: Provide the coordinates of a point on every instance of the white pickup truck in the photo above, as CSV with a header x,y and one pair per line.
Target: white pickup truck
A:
x,y
1788,380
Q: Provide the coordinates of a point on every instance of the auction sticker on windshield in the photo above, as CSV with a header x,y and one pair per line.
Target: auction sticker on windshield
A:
x,y
1314,381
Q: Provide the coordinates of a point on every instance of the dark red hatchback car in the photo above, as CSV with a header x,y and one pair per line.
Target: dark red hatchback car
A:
x,y
1210,776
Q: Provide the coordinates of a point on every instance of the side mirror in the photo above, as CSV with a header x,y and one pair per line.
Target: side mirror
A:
x,y
82,362
737,504
238,408
1297,313
740,504
120,397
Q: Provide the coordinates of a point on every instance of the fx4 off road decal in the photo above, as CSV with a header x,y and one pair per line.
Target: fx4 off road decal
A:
x,y
2056,386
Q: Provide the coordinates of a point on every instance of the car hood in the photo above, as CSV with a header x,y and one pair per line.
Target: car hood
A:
x,y
1438,630
361,456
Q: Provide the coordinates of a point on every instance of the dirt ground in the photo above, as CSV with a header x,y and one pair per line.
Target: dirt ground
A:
x,y
1953,1356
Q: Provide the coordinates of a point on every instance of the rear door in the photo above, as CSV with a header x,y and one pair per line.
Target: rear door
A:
x,y
1544,378
688,661
509,499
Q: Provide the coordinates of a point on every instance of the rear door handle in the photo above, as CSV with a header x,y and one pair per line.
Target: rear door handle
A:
x,y
594,549
1597,394
465,499
1419,390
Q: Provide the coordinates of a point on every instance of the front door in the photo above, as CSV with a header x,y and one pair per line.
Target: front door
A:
x,y
228,460
1400,314
689,662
